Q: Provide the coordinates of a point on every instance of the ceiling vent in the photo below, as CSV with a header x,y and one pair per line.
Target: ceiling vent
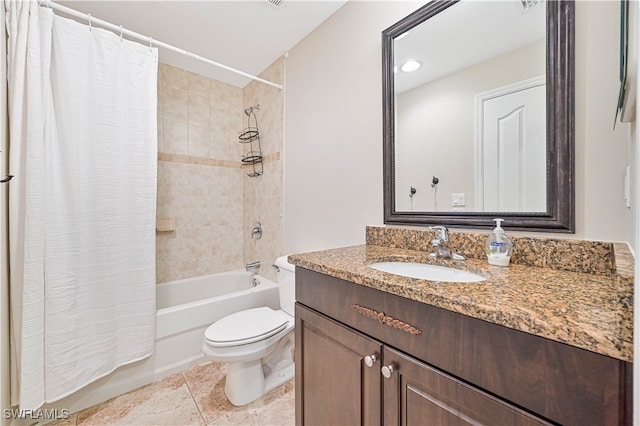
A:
x,y
276,3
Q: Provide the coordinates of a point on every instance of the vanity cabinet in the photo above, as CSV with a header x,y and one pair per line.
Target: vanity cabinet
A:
x,y
340,385
364,356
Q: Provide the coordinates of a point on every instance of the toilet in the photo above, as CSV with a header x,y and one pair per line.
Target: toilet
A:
x,y
256,344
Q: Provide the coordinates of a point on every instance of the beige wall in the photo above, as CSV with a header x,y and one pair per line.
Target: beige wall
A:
x,y
333,129
202,184
601,153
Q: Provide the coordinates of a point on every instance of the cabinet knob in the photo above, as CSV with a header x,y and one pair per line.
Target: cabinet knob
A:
x,y
387,371
369,360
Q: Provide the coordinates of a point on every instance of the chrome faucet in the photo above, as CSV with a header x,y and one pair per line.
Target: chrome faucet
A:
x,y
251,266
441,245
256,231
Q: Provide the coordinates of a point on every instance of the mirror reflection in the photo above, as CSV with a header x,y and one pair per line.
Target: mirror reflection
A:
x,y
470,107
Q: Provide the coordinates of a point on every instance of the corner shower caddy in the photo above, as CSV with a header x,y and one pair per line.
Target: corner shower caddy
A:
x,y
251,135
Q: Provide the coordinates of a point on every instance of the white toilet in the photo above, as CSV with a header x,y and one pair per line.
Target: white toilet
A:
x,y
256,344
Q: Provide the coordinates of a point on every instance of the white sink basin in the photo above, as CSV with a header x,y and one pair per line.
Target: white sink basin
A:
x,y
427,272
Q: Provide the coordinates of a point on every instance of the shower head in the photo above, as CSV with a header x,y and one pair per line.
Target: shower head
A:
x,y
249,110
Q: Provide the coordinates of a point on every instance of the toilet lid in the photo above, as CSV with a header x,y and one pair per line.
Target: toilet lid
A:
x,y
246,327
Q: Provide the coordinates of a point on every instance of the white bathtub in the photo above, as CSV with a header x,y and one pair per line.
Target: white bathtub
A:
x,y
185,308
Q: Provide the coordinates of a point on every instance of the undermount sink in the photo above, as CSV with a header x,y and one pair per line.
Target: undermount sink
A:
x,y
427,272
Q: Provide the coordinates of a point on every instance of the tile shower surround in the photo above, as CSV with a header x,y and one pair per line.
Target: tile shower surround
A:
x,y
201,181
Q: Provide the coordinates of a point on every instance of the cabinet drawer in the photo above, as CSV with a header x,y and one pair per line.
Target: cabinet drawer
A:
x,y
559,382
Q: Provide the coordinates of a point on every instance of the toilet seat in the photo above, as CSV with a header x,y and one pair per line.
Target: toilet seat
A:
x,y
244,327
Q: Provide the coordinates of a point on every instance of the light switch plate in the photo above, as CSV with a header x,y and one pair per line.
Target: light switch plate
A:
x,y
458,199
627,187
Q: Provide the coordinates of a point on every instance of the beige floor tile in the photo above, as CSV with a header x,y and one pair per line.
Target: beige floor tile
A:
x,y
206,383
71,421
165,402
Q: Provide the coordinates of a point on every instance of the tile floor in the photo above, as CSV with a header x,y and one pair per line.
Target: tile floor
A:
x,y
193,397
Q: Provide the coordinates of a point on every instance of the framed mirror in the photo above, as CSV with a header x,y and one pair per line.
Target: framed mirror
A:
x,y
484,127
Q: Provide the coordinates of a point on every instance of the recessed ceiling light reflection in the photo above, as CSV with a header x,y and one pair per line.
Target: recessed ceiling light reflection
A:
x,y
410,66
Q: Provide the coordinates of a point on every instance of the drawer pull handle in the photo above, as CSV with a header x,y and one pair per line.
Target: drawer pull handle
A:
x,y
387,320
369,360
387,371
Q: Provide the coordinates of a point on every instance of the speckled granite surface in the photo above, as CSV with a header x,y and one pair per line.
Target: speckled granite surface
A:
x,y
592,257
586,310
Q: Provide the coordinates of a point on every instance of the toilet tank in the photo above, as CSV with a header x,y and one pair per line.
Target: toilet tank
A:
x,y
286,284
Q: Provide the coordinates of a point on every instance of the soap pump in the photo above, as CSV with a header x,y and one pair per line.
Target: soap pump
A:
x,y
499,247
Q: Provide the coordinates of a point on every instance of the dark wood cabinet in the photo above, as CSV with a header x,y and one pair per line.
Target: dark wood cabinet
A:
x,y
443,368
334,385
346,378
417,394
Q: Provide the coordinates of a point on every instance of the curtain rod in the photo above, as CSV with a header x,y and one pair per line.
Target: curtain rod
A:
x,y
150,40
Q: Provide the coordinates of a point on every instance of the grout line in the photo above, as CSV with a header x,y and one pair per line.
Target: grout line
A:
x,y
186,382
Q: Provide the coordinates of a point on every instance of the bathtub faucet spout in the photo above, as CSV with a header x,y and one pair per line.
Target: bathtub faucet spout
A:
x,y
253,265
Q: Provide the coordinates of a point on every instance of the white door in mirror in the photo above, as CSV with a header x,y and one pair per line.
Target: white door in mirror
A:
x,y
513,147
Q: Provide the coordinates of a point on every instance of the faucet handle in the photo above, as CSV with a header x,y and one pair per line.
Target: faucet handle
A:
x,y
442,232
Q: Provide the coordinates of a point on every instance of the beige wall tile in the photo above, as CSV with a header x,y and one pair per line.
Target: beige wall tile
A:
x,y
220,146
198,83
263,200
174,140
175,103
198,108
214,203
199,142
172,77
160,134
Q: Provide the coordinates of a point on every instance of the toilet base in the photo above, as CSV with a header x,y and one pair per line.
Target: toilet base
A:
x,y
248,381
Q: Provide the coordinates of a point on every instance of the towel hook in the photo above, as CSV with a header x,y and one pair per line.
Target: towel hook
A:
x,y
6,179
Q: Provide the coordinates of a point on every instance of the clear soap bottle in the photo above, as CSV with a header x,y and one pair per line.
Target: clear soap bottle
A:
x,y
499,247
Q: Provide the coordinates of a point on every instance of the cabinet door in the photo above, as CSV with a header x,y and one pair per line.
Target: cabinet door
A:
x,y
416,394
334,385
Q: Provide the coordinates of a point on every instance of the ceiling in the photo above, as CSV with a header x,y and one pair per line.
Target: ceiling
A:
x,y
248,35
466,34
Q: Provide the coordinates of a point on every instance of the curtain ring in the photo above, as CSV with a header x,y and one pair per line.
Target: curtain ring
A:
x,y
120,34
150,44
89,15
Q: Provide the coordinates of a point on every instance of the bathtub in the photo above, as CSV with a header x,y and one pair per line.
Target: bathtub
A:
x,y
185,308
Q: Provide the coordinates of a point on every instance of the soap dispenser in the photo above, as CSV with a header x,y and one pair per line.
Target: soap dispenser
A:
x,y
499,247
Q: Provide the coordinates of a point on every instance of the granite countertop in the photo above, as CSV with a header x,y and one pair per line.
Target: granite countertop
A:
x,y
588,311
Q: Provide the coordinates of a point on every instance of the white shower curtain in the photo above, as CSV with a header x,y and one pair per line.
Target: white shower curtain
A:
x,y
83,149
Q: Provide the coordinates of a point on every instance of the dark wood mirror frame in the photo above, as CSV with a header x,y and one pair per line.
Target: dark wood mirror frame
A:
x,y
560,214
